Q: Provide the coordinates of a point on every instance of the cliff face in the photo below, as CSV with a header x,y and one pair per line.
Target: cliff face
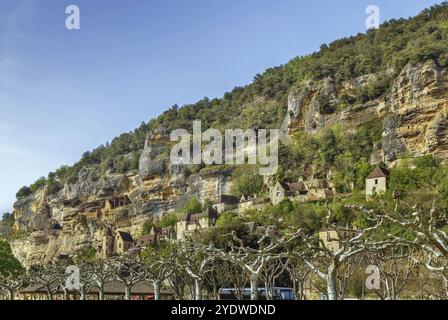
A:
x,y
413,116
74,218
414,113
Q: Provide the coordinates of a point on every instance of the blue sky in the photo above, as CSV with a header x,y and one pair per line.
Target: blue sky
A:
x,y
65,92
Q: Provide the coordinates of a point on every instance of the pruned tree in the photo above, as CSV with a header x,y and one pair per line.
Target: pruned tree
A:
x,y
346,272
47,276
396,265
127,269
298,273
157,266
326,262
253,260
101,274
196,261
424,221
274,269
10,284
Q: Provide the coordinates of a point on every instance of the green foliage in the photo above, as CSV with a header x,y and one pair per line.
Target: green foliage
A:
x,y
147,226
167,221
86,255
23,192
337,150
263,103
193,206
9,265
420,173
228,220
246,181
306,216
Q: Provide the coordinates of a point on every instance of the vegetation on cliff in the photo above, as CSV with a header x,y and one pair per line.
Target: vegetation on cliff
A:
x,y
263,103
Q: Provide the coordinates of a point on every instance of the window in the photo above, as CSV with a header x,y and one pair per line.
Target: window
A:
x,y
278,194
376,181
328,236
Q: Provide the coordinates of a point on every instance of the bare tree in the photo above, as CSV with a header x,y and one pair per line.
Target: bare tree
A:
x,y
253,260
298,273
11,283
196,260
425,225
274,269
101,274
396,266
157,266
127,269
346,272
47,277
326,262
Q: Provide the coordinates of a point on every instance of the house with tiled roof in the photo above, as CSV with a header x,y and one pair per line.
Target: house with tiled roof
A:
x,y
376,182
303,191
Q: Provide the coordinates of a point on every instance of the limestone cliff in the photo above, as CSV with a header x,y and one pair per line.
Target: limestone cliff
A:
x,y
413,114
61,224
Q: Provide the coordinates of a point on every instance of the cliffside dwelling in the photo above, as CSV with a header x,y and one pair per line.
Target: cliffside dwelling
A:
x,y
226,203
303,191
151,240
255,228
331,238
376,182
252,203
191,223
115,243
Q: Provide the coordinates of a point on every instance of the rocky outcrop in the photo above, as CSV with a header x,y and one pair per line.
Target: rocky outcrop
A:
x,y
413,115
309,106
71,220
419,99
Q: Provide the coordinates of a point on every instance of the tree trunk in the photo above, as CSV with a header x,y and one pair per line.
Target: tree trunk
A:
x,y
66,297
197,289
445,284
11,294
82,293
268,294
127,295
101,292
302,290
331,282
156,284
50,294
254,287
393,293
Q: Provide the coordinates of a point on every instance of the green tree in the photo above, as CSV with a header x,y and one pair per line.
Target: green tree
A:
x,y
246,181
193,206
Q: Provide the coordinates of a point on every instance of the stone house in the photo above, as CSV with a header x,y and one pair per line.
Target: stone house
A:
x,y
181,226
331,238
167,233
123,242
252,203
116,202
108,244
376,182
191,223
115,243
226,203
150,240
204,220
260,230
303,191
